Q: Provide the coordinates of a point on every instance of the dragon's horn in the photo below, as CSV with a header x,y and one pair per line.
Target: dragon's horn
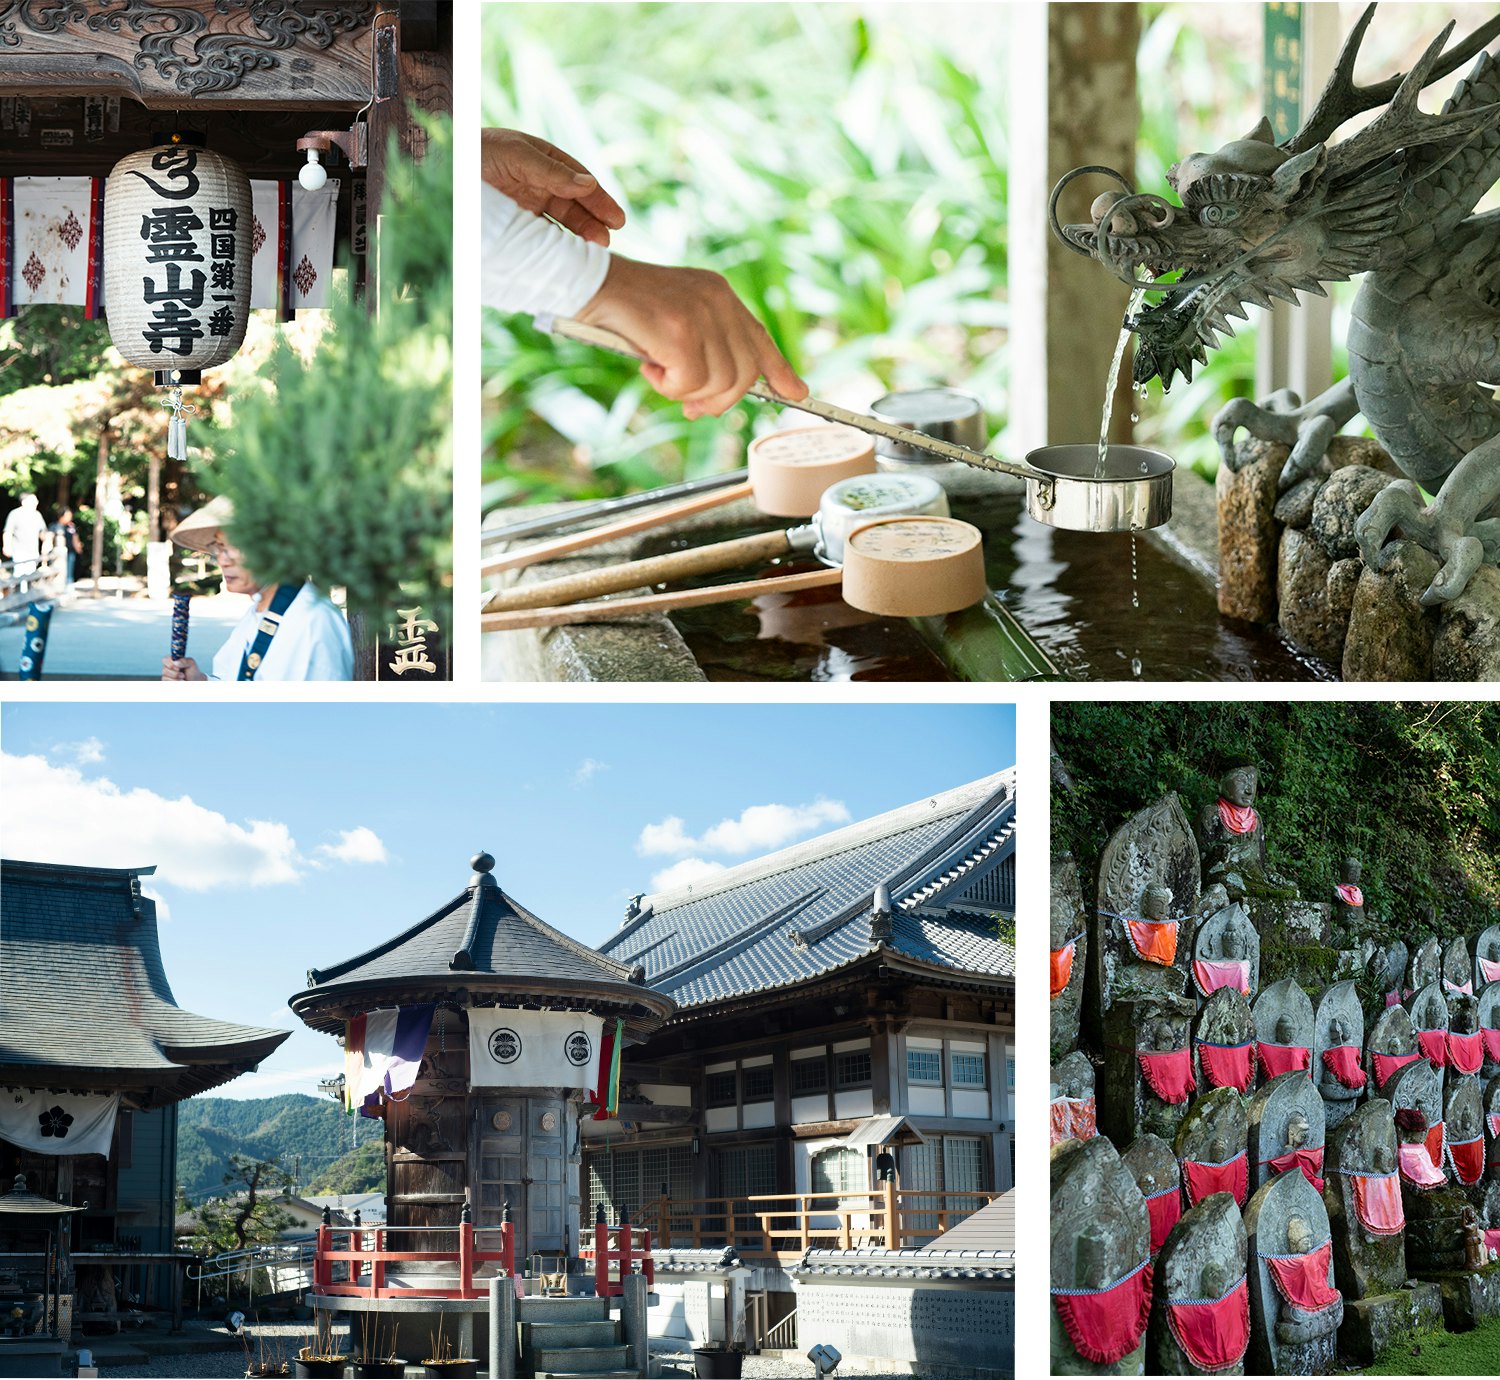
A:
x,y
1342,99
1401,125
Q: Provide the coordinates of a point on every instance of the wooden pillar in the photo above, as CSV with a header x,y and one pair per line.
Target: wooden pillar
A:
x,y
1073,102
153,496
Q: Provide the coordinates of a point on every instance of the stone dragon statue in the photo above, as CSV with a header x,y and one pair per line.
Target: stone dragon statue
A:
x,y
1394,201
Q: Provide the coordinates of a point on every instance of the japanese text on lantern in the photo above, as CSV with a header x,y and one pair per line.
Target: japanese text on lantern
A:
x,y
169,235
222,223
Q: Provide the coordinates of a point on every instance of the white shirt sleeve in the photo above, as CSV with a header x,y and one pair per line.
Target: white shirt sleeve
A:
x,y
530,264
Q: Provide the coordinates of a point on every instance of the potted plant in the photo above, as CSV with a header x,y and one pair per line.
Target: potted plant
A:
x,y
268,1361
377,1359
319,1356
445,1361
718,1361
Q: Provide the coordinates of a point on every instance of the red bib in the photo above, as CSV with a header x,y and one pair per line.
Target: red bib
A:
x,y
1213,1333
1309,1161
1433,1043
1169,1074
1489,969
1062,967
1388,1065
1454,990
1228,1066
1152,941
1278,1059
1437,1135
1349,894
1238,819
1467,1159
1106,1325
1213,973
1377,1203
1164,1208
1491,1044
1494,1121
1232,1176
1061,1123
1342,1062
1393,998
1417,1167
1466,1052
1302,1280
1492,1239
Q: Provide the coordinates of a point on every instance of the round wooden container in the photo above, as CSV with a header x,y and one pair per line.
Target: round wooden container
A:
x,y
912,567
790,469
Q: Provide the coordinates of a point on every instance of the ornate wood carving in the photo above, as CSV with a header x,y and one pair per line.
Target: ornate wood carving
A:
x,y
280,52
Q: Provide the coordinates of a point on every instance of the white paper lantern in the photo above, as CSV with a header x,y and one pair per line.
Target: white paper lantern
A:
x,y
177,249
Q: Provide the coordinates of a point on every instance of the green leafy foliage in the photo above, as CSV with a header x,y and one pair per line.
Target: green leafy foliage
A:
x,y
1409,789
246,1215
846,172
294,1130
362,1170
340,466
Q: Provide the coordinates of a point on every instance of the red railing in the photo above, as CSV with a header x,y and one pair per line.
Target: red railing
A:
x,y
367,1265
615,1253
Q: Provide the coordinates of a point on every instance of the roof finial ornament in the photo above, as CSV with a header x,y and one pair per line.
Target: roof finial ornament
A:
x,y
880,915
483,864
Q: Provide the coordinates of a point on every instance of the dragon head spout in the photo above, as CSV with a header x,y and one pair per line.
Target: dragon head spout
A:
x,y
1255,220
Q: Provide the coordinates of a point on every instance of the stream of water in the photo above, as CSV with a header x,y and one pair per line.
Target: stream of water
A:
x,y
1110,382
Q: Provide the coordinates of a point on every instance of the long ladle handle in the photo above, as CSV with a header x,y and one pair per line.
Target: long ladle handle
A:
x,y
611,579
625,527
861,421
655,603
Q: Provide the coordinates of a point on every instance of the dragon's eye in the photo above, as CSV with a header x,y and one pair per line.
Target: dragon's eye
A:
x,y
1214,215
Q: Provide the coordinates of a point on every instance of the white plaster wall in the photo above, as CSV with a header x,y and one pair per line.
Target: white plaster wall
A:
x,y
668,1094
973,1103
721,1118
805,1109
925,1101
858,1102
759,1114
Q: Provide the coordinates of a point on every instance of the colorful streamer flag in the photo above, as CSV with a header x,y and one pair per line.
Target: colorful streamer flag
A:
x,y
50,1123
607,1094
382,1055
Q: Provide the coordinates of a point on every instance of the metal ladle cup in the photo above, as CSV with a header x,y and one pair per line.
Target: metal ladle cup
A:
x,y
1043,487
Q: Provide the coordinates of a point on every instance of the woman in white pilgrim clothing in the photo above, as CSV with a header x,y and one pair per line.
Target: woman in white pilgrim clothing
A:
x,y
289,633
546,223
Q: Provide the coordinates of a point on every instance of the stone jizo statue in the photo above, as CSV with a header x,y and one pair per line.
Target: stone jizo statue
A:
x,y
1230,836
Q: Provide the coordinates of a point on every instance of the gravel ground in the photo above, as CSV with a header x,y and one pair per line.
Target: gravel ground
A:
x,y
674,1356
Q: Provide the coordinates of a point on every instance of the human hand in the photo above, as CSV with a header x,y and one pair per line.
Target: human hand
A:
x,y
701,346
180,668
540,178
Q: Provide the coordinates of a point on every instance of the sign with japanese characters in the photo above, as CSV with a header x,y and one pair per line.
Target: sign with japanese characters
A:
x,y
177,223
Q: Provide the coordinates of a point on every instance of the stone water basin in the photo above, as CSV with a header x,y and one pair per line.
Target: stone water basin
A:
x,y
1070,591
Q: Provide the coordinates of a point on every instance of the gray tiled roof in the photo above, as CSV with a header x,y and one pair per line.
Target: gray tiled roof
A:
x,y
83,991
498,936
806,910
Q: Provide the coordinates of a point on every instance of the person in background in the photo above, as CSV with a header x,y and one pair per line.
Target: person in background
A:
x,y
290,632
65,531
22,541
546,225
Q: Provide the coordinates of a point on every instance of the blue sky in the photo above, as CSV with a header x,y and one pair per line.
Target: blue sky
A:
x,y
290,836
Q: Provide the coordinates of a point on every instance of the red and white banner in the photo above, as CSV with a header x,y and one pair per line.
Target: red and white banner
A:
x,y
49,1123
52,244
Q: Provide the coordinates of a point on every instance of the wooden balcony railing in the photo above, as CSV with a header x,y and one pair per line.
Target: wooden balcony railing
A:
x,y
365,1256
785,1225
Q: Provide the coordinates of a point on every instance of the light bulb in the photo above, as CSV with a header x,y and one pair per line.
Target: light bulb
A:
x,y
312,175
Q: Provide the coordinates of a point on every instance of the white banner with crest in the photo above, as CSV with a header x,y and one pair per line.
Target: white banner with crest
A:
x,y
49,1123
533,1049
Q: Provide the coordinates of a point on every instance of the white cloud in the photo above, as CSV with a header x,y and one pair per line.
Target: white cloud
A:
x,y
759,829
56,815
358,845
163,910
85,753
684,873
272,1082
589,768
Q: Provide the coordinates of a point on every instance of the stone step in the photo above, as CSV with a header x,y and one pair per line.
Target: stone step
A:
x,y
590,1375
561,1310
580,1360
556,1335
